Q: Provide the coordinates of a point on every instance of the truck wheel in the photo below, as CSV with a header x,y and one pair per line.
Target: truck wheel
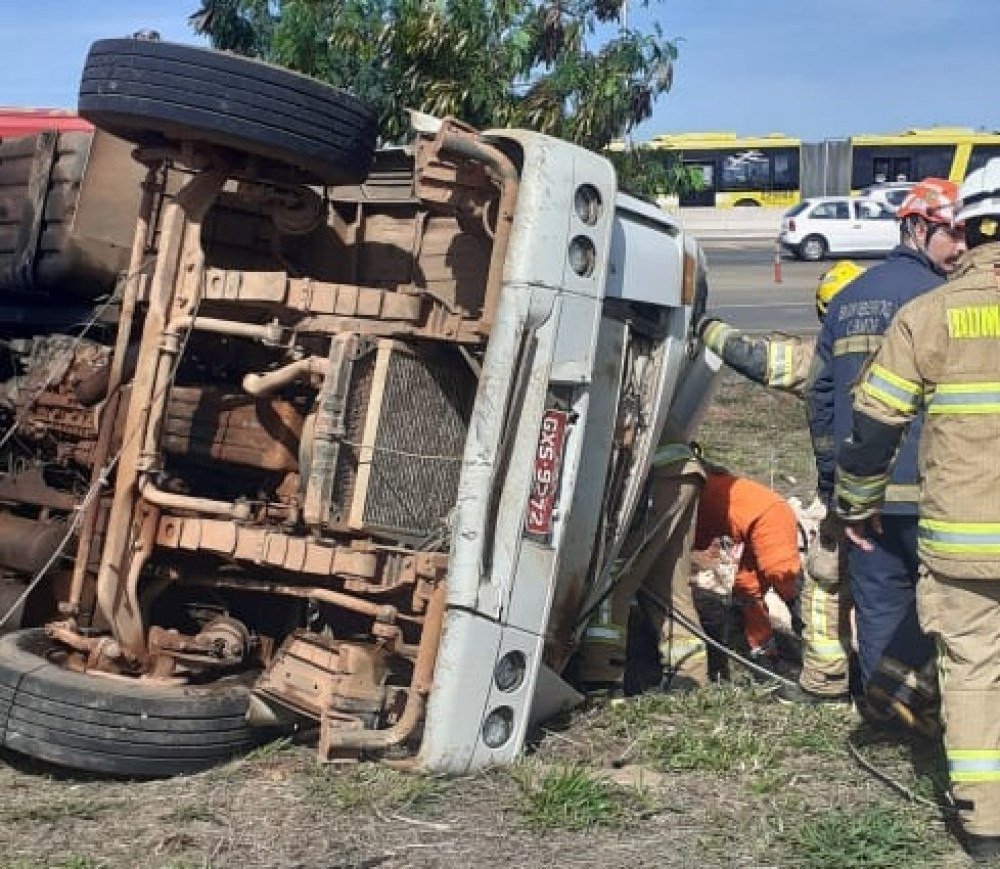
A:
x,y
155,92
113,725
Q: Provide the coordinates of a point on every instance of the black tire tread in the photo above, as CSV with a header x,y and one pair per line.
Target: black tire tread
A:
x,y
115,726
150,91
225,84
106,763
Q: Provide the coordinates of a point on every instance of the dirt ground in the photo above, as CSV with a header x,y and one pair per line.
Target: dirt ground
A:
x,y
721,777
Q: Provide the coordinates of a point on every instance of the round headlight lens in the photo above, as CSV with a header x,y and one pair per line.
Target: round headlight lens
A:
x,y
582,256
509,671
587,203
498,726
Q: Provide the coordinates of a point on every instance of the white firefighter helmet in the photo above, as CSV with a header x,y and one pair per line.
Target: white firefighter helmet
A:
x,y
979,195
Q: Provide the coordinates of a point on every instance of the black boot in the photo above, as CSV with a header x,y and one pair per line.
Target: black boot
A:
x,y
795,693
982,849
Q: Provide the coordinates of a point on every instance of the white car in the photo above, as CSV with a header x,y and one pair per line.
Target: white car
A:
x,y
891,193
834,225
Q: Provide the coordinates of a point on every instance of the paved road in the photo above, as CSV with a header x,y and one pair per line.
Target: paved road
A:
x,y
743,292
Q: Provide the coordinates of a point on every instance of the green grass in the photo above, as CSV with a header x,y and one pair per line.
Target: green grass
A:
x,y
274,748
863,837
571,797
721,750
371,786
769,782
760,433
717,729
817,729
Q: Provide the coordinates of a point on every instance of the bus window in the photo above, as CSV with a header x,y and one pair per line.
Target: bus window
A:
x,y
704,172
933,161
981,155
890,169
786,169
878,164
745,170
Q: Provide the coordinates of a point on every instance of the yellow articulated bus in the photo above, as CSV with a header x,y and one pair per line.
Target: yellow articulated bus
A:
x,y
939,152
736,170
777,170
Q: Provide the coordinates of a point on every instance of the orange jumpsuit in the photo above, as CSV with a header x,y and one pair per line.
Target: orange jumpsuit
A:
x,y
752,514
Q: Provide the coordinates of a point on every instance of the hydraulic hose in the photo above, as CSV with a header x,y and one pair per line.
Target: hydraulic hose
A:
x,y
685,622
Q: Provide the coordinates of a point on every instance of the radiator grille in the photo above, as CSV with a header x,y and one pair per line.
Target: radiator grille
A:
x,y
345,477
417,431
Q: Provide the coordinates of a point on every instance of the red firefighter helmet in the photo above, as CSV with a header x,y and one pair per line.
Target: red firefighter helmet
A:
x,y
933,199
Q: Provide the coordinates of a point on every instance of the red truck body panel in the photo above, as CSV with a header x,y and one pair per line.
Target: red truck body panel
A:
x,y
22,122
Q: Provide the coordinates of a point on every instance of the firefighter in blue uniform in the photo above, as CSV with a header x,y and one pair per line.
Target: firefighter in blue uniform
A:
x,y
895,656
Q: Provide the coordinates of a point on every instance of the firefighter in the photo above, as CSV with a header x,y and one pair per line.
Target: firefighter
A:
x,y
663,564
777,361
757,518
656,557
785,363
895,658
942,354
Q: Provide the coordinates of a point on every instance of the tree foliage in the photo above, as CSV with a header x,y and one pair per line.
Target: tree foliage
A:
x,y
648,172
569,68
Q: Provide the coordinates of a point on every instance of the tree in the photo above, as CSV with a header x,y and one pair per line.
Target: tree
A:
x,y
532,63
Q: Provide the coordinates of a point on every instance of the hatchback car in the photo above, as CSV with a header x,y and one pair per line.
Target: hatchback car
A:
x,y
891,194
835,225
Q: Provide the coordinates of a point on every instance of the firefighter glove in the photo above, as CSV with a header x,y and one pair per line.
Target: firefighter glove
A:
x,y
714,333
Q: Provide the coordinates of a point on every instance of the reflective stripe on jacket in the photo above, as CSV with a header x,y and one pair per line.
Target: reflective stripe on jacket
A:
x,y
777,361
943,353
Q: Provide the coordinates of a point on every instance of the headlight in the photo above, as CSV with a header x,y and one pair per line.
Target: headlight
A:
x,y
587,204
582,256
498,726
509,671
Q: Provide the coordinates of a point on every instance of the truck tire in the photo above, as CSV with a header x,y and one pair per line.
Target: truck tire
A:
x,y
155,92
112,725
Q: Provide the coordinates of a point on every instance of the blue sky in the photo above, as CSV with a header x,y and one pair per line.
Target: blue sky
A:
x,y
813,68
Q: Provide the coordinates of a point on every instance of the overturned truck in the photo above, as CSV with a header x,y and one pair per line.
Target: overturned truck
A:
x,y
297,432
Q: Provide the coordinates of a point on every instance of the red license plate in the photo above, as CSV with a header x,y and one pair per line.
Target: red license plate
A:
x,y
545,481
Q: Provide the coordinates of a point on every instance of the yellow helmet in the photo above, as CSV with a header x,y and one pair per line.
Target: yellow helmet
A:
x,y
838,276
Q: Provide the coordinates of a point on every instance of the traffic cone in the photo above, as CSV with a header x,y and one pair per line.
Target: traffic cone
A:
x,y
777,264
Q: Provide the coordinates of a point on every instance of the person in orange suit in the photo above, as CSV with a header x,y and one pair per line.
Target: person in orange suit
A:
x,y
757,517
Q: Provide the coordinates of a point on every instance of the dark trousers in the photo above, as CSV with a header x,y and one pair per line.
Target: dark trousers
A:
x,y
884,583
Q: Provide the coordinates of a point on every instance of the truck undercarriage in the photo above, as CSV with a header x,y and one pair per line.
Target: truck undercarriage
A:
x,y
310,445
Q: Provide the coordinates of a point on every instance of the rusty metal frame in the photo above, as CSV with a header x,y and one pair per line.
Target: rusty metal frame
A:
x,y
128,543
137,272
334,740
143,517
